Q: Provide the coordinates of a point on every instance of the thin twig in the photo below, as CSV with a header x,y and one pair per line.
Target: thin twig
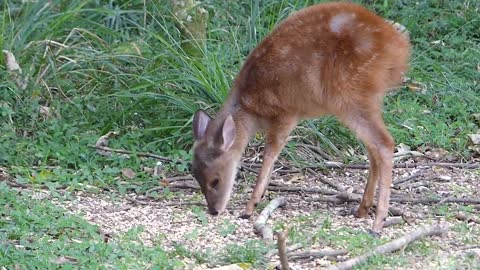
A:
x,y
261,223
140,154
302,189
396,244
406,179
326,181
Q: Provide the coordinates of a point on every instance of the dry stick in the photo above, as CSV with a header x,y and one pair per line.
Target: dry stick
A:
x,y
140,154
171,180
317,254
282,249
393,221
326,181
408,178
338,165
329,165
435,200
184,185
290,248
351,197
260,225
396,244
302,189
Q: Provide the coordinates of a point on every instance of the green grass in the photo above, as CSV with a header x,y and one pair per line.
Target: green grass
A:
x,y
36,234
117,65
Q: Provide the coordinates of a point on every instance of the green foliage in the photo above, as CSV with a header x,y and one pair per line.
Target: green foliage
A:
x,y
252,252
37,234
227,228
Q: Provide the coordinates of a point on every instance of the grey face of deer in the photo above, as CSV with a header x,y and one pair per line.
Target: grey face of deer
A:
x,y
212,165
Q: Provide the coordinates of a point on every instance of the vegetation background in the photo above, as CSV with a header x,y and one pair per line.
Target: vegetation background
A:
x,y
96,66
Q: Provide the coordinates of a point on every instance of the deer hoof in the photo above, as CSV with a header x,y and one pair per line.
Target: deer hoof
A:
x,y
374,234
357,213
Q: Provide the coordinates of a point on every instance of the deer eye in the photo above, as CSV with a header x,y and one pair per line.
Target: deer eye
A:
x,y
215,182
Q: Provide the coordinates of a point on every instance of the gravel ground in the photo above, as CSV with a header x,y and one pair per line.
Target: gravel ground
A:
x,y
168,222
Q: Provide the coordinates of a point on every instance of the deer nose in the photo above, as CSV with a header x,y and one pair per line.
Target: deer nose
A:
x,y
213,211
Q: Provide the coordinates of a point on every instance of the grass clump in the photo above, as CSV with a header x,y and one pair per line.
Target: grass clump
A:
x,y
34,233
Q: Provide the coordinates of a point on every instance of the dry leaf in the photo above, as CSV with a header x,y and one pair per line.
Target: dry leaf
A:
x,y
12,64
128,173
164,182
436,153
296,178
103,142
64,260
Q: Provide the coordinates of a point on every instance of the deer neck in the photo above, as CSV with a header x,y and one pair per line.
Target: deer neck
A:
x,y
243,123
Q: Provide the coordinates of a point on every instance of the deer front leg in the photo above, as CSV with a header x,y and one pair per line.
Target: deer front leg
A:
x,y
276,138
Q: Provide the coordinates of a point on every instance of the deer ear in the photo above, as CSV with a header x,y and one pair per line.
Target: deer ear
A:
x,y
200,123
228,133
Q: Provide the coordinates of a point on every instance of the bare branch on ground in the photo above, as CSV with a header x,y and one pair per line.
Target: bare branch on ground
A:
x,y
391,221
437,229
316,254
408,178
261,223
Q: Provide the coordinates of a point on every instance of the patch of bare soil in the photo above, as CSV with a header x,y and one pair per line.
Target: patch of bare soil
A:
x,y
167,222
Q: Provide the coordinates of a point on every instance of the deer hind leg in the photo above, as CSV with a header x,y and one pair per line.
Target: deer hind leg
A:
x,y
370,187
276,138
371,129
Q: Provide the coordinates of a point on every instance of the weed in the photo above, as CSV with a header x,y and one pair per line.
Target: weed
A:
x,y
252,252
227,228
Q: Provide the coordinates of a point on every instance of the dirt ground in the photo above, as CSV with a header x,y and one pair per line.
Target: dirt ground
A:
x,y
167,222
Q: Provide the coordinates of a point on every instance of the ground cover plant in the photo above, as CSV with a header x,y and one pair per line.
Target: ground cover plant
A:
x,y
90,67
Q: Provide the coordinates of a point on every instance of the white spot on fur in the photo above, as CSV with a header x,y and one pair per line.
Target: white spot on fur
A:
x,y
285,50
339,21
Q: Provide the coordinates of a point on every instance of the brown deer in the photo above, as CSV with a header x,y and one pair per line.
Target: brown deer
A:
x,y
332,58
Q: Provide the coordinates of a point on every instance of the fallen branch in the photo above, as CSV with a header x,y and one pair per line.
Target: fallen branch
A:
x,y
317,254
391,221
184,185
435,200
364,166
289,249
394,245
167,181
406,179
302,189
282,249
260,225
351,197
326,181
